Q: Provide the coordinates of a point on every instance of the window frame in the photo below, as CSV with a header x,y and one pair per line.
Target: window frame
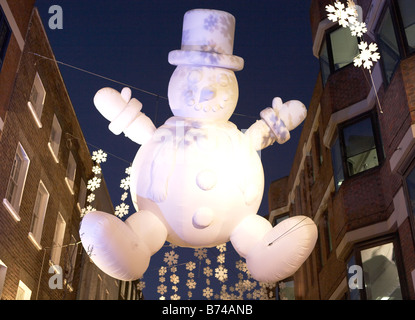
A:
x,y
3,48
329,47
13,204
36,108
392,10
399,21
36,226
58,238
55,138
356,255
411,213
372,115
71,172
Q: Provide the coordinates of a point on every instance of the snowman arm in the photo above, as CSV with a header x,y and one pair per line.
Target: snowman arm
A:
x,y
276,123
125,114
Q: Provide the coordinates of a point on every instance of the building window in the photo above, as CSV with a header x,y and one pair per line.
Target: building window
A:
x,y
37,100
23,292
71,262
5,33
58,240
407,12
376,269
326,245
410,188
70,172
285,290
81,195
357,148
39,212
338,50
16,183
388,45
55,139
280,218
3,271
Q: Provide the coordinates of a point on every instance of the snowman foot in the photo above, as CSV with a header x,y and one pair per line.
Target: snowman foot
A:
x,y
282,250
113,246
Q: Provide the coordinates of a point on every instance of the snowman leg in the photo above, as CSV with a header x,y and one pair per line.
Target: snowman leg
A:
x,y
113,246
149,228
283,249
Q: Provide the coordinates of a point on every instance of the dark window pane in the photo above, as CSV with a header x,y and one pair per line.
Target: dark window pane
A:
x,y
407,8
360,147
324,63
344,47
410,183
388,46
337,164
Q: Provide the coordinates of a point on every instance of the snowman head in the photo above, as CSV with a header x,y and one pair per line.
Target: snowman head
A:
x,y
204,85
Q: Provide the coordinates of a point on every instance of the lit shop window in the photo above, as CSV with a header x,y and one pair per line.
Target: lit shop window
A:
x,y
55,139
407,12
37,100
5,33
357,148
373,273
338,50
16,182
38,217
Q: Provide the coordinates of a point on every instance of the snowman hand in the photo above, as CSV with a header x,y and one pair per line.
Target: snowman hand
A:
x,y
292,113
117,107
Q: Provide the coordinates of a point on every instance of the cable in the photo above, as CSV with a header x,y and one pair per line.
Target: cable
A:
x,y
98,75
119,82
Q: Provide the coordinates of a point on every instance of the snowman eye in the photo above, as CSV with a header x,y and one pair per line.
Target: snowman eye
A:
x,y
194,76
223,80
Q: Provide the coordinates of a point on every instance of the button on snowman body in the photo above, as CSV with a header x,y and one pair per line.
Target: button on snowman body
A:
x,y
197,181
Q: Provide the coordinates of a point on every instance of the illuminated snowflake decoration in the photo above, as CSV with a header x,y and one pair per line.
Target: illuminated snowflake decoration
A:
x,y
128,170
87,210
174,278
90,198
190,266
125,183
162,289
121,210
341,14
191,283
141,285
96,170
358,29
99,156
221,273
347,18
124,196
94,183
200,253
162,271
207,271
368,55
208,292
171,258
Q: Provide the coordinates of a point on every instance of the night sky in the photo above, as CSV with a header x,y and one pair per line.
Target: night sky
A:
x,y
129,40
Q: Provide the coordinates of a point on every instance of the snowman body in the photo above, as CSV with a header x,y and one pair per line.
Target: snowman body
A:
x,y
200,179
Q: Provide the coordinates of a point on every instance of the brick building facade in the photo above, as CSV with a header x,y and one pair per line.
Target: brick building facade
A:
x,y
44,168
353,171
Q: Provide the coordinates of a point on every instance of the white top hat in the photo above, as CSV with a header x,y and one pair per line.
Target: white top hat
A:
x,y
207,40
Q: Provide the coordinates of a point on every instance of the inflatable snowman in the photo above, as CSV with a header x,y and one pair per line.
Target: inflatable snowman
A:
x,y
197,181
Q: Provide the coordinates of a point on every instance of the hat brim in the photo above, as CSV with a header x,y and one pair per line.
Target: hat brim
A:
x,y
202,58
